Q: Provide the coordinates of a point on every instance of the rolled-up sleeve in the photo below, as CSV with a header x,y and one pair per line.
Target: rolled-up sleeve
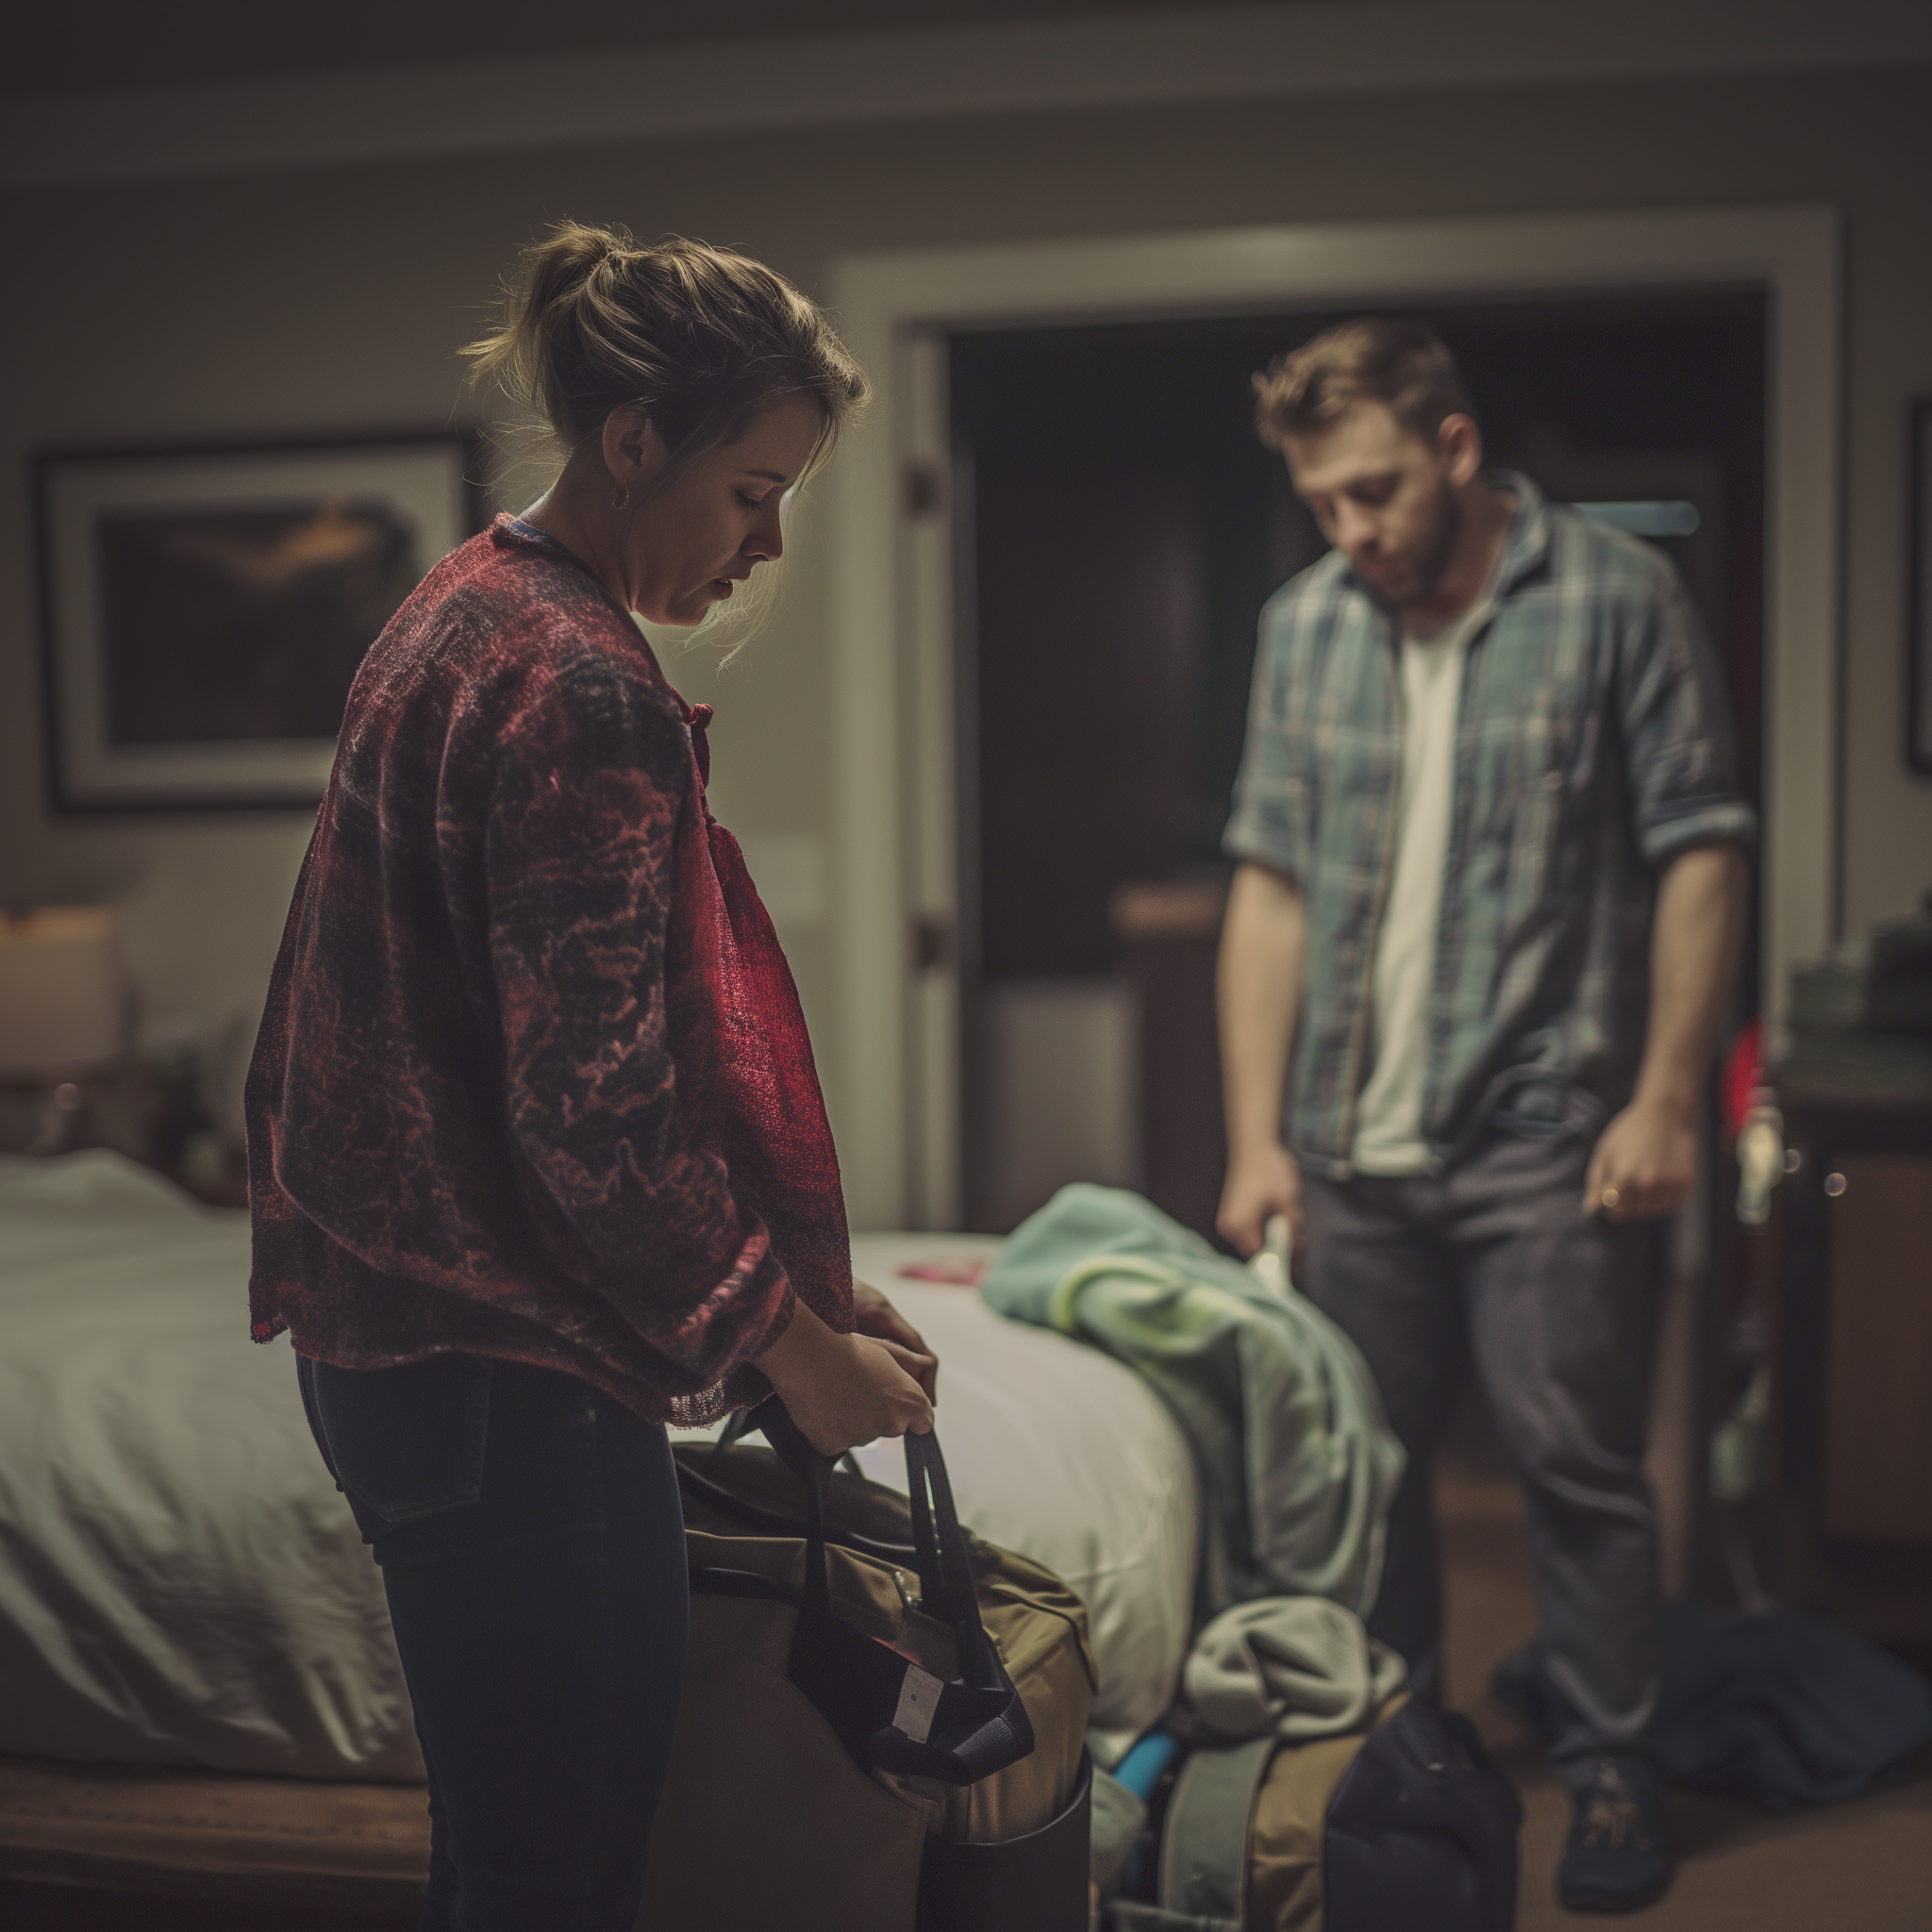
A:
x,y
1679,742
590,783
1270,823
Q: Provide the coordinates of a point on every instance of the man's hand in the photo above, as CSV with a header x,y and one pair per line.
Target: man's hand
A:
x,y
1643,1165
1645,1162
1260,1186
873,1314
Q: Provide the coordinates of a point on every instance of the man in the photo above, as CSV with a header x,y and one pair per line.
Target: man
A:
x,y
1487,911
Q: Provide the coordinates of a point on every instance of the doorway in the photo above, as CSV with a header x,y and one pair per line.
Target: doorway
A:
x,y
1118,528
888,1034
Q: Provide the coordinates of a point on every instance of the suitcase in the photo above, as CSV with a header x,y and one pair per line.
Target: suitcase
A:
x,y
883,1721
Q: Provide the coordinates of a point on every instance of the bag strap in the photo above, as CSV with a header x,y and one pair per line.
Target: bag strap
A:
x,y
717,1579
714,1495
1130,1915
1204,1841
815,1472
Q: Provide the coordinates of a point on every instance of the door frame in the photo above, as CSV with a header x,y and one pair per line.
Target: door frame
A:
x,y
894,831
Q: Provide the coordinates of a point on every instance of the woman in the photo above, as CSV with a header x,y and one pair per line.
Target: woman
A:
x,y
536,1154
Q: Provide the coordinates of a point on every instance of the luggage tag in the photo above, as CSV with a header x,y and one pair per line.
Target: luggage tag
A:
x,y
919,1704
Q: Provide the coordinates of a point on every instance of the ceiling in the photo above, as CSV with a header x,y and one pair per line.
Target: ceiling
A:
x,y
55,49
94,90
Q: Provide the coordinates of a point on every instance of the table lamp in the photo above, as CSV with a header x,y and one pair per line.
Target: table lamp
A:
x,y
64,1006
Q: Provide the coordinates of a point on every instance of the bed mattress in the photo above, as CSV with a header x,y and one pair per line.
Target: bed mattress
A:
x,y
181,1585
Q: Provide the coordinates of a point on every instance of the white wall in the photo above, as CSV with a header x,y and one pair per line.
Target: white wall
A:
x,y
1063,1100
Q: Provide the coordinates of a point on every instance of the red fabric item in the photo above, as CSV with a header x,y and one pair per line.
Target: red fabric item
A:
x,y
953,1273
532,1081
1743,1076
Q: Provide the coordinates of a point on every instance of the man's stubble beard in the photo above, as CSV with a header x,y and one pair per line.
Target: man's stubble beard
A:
x,y
1437,549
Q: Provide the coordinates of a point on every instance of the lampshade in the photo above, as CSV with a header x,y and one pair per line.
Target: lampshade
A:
x,y
62,1007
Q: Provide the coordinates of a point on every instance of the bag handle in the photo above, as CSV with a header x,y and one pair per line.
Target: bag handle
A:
x,y
939,1549
889,1711
936,1532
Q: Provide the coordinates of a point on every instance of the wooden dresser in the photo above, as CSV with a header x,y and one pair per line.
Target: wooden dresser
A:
x,y
1851,1464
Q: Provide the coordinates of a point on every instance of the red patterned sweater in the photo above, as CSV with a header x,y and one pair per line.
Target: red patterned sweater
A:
x,y
532,1081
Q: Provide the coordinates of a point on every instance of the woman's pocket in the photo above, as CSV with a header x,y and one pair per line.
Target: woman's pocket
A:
x,y
405,1442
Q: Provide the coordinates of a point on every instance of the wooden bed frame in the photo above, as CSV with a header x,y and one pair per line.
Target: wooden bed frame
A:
x,y
265,1840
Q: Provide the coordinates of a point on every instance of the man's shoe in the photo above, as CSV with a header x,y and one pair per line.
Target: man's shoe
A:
x,y
1617,1859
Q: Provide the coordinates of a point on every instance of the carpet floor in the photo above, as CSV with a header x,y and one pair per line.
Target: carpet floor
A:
x,y
1862,1866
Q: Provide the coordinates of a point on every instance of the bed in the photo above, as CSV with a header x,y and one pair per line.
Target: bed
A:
x,y
198,1688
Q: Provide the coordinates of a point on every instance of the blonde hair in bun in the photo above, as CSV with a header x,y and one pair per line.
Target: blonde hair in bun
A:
x,y
700,338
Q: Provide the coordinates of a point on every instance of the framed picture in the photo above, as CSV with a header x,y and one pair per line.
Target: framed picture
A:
x,y
1919,595
204,611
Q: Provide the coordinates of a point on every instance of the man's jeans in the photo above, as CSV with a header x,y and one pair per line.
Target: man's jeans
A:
x,y
1495,1263
531,1541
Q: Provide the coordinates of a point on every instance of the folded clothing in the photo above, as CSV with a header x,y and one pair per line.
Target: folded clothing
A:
x,y
1288,1666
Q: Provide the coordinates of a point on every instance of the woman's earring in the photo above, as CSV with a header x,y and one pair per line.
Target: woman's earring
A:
x,y
623,500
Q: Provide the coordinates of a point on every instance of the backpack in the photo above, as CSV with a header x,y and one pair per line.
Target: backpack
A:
x,y
1410,1825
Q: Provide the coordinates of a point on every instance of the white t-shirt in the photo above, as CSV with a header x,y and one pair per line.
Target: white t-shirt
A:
x,y
1388,1111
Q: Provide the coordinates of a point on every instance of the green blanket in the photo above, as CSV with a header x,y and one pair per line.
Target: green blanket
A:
x,y
1296,1461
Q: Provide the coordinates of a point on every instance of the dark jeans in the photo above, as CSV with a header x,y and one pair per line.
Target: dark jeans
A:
x,y
1494,1264
532,1547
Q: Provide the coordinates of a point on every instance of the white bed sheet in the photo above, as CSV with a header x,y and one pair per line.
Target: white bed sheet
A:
x,y
180,1583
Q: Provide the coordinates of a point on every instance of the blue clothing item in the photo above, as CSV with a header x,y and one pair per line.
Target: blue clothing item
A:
x,y
1593,744
1141,1769
1783,1708
531,534
531,1541
1297,1463
1778,1707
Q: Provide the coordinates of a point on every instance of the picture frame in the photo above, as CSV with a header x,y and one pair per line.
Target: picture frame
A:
x,y
204,607
1919,591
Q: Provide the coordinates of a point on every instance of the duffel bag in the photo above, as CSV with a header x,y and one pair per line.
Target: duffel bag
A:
x,y
883,1720
1408,1826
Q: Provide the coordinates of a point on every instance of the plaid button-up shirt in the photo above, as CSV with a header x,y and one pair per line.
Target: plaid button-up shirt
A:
x,y
1593,744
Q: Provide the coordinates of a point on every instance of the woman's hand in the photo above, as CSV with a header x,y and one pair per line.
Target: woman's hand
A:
x,y
845,1389
875,1315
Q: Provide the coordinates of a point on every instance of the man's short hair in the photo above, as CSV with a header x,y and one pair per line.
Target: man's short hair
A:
x,y
1375,359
